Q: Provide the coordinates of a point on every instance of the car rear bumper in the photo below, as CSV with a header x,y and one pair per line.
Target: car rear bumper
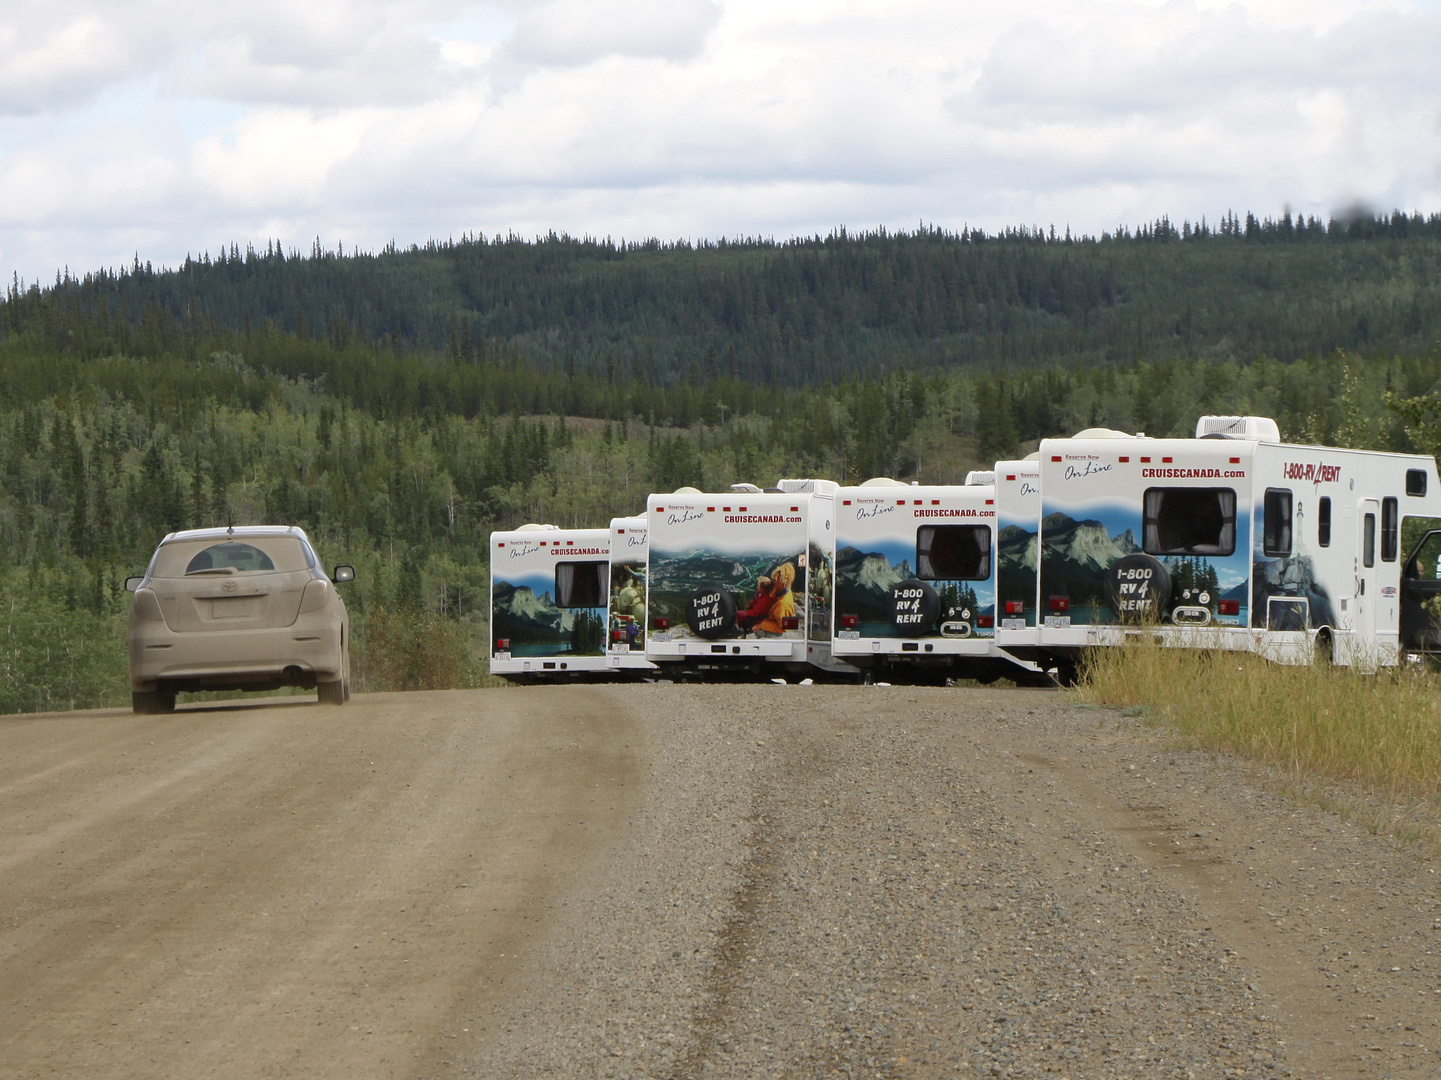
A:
x,y
297,655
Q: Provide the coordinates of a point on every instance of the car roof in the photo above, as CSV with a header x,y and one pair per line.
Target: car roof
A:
x,y
237,531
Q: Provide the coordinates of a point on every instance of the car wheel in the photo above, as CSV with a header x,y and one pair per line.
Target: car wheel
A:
x,y
146,702
331,693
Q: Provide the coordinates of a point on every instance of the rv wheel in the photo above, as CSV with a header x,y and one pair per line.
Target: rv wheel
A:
x,y
915,606
711,612
1325,649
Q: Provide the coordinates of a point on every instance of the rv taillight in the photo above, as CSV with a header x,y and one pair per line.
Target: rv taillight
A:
x,y
985,622
617,635
850,622
790,622
502,643
1060,603
661,623
1228,607
1015,607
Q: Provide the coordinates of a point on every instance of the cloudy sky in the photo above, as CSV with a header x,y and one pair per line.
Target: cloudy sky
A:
x,y
167,126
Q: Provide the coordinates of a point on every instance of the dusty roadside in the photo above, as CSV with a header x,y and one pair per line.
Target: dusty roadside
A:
x,y
689,881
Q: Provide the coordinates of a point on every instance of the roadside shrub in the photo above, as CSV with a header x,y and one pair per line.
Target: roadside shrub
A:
x,y
53,657
406,649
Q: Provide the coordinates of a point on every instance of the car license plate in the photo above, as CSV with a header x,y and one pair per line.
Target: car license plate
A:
x,y
237,608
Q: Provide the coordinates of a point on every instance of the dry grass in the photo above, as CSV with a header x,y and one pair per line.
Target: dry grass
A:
x,y
413,650
1361,744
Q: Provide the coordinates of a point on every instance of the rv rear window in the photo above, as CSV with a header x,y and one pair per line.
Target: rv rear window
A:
x,y
1276,531
1415,481
1323,522
1190,521
953,552
1390,521
581,584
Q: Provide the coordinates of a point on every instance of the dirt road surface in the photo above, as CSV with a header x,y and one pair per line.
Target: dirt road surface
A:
x,y
676,881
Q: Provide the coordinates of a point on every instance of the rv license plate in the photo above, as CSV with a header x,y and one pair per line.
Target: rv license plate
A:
x,y
1058,621
1013,624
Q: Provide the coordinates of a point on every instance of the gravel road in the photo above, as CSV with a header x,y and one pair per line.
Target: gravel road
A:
x,y
680,881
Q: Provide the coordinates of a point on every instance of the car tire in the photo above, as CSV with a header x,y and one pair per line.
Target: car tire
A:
x,y
331,693
149,702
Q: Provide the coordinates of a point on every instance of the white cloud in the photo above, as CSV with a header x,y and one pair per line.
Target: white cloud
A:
x,y
169,126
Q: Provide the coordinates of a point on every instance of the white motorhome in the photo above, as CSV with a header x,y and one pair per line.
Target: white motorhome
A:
x,y
629,556
916,579
549,597
1229,540
740,581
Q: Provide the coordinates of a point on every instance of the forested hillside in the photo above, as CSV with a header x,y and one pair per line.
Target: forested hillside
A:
x,y
808,311
121,418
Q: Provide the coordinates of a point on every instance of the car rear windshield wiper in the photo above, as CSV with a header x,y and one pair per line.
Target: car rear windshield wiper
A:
x,y
211,570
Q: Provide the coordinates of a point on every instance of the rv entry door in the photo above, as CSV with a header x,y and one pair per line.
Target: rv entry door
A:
x,y
1368,516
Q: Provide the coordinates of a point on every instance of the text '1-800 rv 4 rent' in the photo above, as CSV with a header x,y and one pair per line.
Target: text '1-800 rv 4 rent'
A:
x,y
740,581
1230,540
549,598
915,581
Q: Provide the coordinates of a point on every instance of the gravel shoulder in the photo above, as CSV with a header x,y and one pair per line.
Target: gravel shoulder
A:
x,y
679,881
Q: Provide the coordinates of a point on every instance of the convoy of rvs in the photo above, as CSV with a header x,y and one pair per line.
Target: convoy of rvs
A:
x,y
1230,540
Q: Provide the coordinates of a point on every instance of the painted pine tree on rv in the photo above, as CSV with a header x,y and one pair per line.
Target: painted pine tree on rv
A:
x,y
399,405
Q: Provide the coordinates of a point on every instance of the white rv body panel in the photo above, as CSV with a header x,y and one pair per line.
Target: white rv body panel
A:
x,y
629,558
1018,522
741,579
548,601
1226,543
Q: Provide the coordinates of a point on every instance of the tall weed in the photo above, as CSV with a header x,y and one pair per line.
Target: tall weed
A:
x,y
1381,730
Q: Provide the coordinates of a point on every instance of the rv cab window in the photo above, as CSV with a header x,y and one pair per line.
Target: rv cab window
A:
x,y
1368,541
1323,522
581,584
1390,538
953,552
1276,532
1415,481
1190,521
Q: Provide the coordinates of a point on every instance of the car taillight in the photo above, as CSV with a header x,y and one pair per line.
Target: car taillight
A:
x,y
790,622
1015,607
502,643
985,622
147,606
661,623
1060,603
1228,607
850,622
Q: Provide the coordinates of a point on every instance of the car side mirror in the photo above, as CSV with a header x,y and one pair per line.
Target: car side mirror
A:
x,y
343,573
133,583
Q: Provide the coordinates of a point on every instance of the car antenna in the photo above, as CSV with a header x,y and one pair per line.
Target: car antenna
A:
x,y
229,526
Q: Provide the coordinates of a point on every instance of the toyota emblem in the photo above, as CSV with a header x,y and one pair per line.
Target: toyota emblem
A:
x,y
230,586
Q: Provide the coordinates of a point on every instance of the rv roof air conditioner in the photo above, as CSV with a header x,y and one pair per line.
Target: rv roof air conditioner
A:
x,y
980,477
687,490
1255,428
813,487
745,489
882,481
533,527
1102,433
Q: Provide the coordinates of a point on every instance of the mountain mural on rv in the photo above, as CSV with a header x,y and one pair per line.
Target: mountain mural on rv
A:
x,y
535,626
1078,554
864,580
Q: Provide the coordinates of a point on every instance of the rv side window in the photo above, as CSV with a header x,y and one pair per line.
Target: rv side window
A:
x,y
581,584
1276,533
1323,522
1390,539
1368,541
953,552
1415,481
1190,521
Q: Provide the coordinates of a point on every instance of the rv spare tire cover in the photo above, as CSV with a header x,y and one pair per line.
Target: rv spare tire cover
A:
x,y
915,606
1138,587
711,612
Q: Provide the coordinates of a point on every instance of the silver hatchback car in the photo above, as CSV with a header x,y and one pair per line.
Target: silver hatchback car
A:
x,y
237,609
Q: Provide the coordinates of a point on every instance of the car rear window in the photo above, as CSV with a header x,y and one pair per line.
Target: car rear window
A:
x,y
265,554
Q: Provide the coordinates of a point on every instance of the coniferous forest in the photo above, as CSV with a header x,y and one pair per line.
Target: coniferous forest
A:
x,y
399,405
